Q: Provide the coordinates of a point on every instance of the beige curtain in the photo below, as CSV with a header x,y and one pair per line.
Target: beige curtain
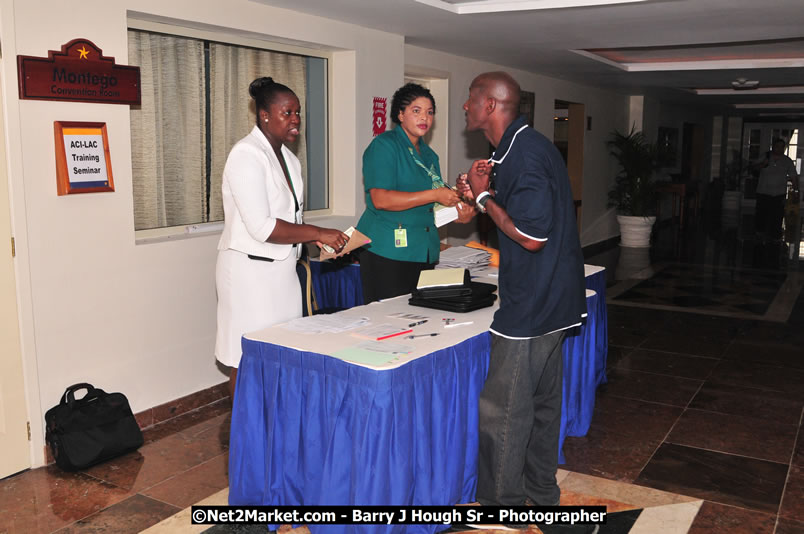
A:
x,y
168,141
232,111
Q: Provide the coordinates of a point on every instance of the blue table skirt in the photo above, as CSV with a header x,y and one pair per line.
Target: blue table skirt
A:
x,y
316,430
597,282
581,361
336,286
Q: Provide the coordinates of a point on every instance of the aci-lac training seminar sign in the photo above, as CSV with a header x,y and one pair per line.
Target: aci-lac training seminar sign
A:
x,y
82,158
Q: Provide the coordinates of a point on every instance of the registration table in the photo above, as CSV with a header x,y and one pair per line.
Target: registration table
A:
x,y
312,429
338,286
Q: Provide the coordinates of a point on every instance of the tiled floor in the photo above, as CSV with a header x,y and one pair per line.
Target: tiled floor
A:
x,y
182,461
697,431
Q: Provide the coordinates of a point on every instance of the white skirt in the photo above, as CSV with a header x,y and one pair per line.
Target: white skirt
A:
x,y
252,295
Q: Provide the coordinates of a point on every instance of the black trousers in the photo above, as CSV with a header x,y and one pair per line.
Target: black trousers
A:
x,y
769,215
383,278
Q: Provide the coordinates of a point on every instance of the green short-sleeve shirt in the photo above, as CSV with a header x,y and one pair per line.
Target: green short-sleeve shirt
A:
x,y
388,164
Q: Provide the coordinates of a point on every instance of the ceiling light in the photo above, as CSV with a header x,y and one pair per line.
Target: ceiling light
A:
x,y
741,84
464,7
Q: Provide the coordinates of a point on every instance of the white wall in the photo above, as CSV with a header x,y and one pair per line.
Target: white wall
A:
x,y
608,111
94,305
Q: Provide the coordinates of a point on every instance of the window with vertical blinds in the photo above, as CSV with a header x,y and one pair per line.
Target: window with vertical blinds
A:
x,y
195,107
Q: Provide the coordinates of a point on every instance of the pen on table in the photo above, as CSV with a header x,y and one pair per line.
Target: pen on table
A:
x,y
421,335
417,323
394,335
457,324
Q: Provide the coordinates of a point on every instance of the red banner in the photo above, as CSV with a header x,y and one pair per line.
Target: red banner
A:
x,y
79,73
378,117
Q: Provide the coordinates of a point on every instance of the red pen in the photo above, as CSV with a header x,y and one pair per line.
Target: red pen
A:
x,y
394,335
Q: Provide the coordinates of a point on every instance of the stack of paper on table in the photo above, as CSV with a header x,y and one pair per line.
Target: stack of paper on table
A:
x,y
463,257
494,258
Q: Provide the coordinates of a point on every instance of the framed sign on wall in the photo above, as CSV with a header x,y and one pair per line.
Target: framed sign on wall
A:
x,y
83,163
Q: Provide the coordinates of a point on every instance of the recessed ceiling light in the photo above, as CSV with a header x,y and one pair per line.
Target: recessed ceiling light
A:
x,y
464,7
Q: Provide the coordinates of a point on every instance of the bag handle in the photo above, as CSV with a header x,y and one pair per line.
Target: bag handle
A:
x,y
69,393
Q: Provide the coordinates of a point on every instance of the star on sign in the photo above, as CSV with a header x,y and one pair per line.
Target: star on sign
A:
x,y
84,53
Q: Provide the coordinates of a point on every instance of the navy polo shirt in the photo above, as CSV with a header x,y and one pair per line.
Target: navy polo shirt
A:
x,y
543,291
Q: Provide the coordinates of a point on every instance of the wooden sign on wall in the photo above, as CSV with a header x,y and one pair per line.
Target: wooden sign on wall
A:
x,y
79,73
83,163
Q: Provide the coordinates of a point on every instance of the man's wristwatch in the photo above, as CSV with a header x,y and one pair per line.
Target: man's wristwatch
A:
x,y
481,200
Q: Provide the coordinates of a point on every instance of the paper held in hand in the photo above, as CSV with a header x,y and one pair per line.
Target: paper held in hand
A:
x,y
356,240
444,215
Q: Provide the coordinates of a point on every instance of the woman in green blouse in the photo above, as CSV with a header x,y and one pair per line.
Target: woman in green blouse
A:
x,y
402,180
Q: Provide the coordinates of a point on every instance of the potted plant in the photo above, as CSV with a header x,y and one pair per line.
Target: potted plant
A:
x,y
634,191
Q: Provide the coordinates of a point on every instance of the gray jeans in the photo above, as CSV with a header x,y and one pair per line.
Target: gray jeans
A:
x,y
519,421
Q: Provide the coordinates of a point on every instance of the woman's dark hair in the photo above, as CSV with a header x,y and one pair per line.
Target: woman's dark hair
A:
x,y
264,90
407,94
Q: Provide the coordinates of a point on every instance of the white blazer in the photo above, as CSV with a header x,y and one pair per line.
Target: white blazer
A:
x,y
256,194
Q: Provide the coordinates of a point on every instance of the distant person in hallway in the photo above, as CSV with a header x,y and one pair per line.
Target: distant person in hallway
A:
x,y
402,181
775,171
263,230
542,294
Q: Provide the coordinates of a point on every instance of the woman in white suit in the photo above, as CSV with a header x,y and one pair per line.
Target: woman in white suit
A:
x,y
263,230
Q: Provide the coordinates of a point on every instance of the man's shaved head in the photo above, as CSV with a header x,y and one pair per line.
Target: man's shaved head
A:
x,y
493,104
501,87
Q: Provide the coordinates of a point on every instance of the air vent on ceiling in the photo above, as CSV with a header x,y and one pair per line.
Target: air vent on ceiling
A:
x,y
741,84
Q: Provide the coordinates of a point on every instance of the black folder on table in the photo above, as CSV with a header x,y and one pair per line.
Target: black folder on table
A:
x,y
479,295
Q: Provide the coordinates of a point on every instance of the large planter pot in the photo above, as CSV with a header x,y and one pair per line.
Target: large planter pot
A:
x,y
635,231
633,264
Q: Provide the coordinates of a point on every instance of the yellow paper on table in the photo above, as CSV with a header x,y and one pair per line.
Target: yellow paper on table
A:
x,y
441,278
356,240
495,254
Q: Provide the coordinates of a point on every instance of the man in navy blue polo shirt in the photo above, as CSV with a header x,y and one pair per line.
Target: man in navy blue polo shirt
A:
x,y
542,294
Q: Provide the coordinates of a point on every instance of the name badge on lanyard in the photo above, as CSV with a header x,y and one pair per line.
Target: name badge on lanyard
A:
x,y
400,238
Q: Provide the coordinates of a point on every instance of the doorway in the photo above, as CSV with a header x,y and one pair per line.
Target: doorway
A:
x,y
14,430
569,120
438,136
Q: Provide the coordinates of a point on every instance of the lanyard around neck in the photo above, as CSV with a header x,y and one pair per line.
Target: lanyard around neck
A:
x,y
289,180
437,180
498,161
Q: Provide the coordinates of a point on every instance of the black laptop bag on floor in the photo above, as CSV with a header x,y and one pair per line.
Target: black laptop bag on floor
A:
x,y
89,430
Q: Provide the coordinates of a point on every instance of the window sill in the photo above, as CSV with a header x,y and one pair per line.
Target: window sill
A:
x,y
173,233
